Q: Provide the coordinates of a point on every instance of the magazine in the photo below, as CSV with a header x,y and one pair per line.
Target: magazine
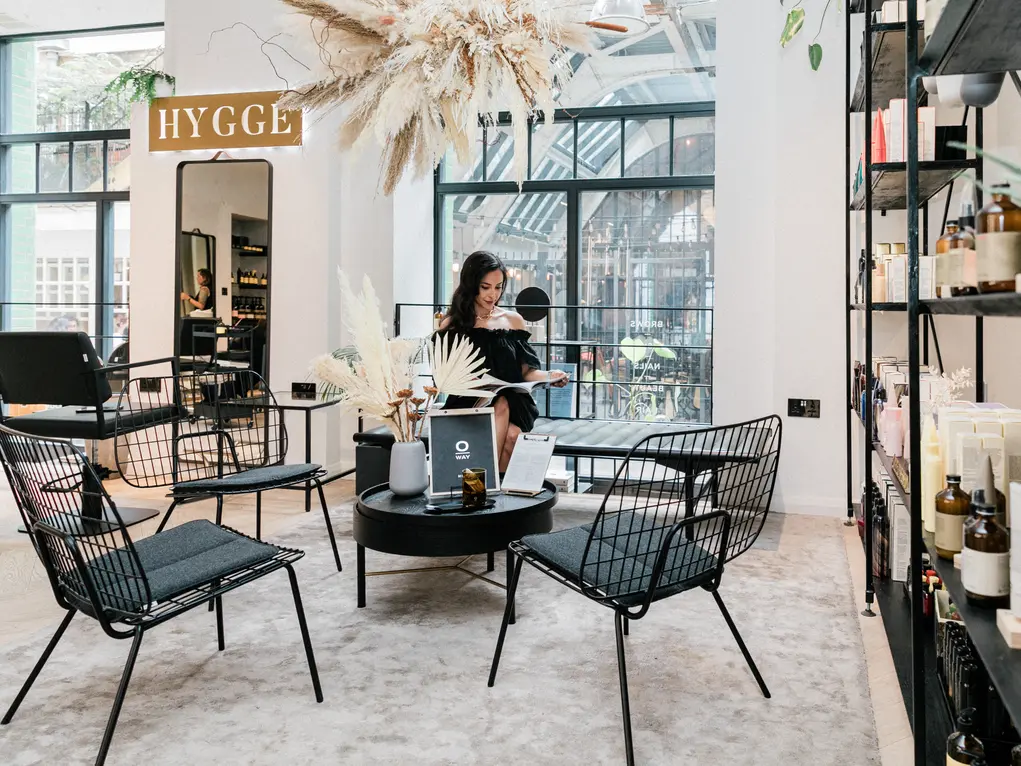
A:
x,y
496,385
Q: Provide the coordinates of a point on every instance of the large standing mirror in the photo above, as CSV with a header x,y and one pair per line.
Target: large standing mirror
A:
x,y
223,269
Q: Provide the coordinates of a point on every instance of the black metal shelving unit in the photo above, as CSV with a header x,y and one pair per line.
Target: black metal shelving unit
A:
x,y
971,36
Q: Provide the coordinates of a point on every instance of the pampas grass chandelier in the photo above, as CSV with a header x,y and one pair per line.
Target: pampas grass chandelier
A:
x,y
419,74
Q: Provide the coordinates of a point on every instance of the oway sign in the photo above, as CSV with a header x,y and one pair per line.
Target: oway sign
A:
x,y
226,121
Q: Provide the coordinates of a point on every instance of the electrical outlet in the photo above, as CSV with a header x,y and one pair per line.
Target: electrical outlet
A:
x,y
223,291
803,408
151,385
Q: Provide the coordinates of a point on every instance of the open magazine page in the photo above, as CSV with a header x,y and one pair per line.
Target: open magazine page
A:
x,y
496,385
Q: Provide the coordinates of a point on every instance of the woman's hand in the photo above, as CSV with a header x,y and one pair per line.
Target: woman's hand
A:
x,y
185,296
558,378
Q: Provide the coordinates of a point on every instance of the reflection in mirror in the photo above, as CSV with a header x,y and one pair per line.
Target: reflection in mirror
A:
x,y
223,265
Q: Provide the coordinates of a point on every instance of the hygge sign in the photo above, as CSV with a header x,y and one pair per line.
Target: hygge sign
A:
x,y
228,121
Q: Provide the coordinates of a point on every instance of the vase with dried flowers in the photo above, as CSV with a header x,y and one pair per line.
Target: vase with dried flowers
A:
x,y
376,374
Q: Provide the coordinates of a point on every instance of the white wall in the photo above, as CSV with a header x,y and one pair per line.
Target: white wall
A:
x,y
779,323
326,213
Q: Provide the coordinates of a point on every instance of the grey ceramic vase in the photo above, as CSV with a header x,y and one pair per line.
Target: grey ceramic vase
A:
x,y
408,475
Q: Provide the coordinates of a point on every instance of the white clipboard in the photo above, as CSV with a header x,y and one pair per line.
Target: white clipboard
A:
x,y
528,464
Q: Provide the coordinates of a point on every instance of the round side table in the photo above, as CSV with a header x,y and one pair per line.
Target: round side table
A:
x,y
400,525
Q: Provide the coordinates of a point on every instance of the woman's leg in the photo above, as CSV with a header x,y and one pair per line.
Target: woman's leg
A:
x,y
508,446
502,422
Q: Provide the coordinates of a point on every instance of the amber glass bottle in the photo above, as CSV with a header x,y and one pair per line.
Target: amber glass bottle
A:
x,y
962,745
999,243
963,261
943,265
952,507
985,561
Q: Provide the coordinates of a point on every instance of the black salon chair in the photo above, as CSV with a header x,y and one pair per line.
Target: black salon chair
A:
x,y
62,368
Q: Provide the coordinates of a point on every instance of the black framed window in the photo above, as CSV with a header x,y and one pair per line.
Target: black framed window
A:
x,y
65,181
616,222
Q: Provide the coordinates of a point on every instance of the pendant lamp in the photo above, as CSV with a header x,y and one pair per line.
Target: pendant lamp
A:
x,y
619,14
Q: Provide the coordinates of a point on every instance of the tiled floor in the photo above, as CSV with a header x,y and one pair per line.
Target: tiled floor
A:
x,y
892,727
27,604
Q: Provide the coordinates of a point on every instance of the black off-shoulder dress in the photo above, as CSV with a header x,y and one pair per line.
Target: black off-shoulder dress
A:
x,y
506,352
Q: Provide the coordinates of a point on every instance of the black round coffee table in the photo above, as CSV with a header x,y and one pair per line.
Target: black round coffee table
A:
x,y
400,525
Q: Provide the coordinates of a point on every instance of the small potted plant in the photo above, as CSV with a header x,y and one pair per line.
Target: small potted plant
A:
x,y
143,84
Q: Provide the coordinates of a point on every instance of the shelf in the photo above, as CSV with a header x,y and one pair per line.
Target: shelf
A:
x,y
261,253
895,609
250,287
974,36
893,466
1002,663
881,307
990,305
888,72
889,182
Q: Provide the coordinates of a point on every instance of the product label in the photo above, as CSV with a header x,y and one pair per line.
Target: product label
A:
x,y
985,574
949,531
955,266
941,270
1000,258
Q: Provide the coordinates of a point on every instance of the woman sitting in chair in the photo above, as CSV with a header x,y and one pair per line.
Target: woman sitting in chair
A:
x,y
503,340
202,299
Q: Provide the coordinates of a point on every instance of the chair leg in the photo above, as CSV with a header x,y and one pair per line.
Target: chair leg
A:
x,y
218,601
219,518
627,626
118,701
38,668
258,515
740,643
512,586
329,525
166,516
490,561
619,622
304,635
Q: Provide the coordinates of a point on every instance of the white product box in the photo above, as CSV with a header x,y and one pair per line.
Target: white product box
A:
x,y
1011,462
988,423
952,425
968,454
993,447
897,276
1014,497
900,540
927,277
896,134
927,133
891,12
563,480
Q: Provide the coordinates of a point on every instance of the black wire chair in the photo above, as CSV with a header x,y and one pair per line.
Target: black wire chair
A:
x,y
680,507
232,440
94,566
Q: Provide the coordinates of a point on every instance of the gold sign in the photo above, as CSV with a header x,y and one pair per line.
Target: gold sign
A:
x,y
225,121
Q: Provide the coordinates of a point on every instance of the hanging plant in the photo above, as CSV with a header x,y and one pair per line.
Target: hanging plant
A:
x,y
793,24
143,84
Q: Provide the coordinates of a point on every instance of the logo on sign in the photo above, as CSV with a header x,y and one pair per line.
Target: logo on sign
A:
x,y
461,450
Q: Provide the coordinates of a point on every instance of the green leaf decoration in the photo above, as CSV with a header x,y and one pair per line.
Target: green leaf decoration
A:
x,y
633,350
815,56
1012,171
795,21
662,351
596,376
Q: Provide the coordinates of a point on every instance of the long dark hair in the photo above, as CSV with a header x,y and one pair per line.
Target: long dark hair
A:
x,y
474,268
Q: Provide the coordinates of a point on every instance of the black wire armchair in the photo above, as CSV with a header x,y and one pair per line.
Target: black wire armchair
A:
x,y
232,440
680,507
129,587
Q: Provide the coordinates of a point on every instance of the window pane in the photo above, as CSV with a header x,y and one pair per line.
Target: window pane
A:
x,y
694,146
22,164
452,170
54,240
121,277
526,231
500,154
53,167
647,282
58,84
118,165
643,140
552,151
599,149
88,166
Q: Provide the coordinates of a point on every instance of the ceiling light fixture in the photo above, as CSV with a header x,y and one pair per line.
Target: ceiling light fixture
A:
x,y
629,14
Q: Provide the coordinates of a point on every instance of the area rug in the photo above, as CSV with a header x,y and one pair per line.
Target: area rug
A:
x,y
405,678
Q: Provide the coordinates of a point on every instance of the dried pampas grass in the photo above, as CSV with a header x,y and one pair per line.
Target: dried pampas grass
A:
x,y
418,74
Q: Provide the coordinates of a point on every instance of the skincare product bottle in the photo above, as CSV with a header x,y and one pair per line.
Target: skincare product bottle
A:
x,y
962,252
985,561
999,243
437,320
963,746
878,282
932,473
986,491
952,507
943,265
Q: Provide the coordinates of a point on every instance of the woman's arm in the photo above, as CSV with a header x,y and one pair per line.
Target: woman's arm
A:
x,y
556,378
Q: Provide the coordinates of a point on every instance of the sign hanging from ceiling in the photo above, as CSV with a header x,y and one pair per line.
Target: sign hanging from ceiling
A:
x,y
223,121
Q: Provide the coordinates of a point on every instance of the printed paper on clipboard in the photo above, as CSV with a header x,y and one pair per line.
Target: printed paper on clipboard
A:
x,y
528,464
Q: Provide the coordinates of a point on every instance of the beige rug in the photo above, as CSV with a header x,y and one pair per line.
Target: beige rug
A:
x,y
405,678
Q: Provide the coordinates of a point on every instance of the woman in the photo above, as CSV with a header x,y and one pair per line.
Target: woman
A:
x,y
503,340
202,299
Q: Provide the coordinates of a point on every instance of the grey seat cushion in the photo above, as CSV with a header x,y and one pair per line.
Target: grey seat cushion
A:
x,y
252,480
69,423
621,558
174,562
